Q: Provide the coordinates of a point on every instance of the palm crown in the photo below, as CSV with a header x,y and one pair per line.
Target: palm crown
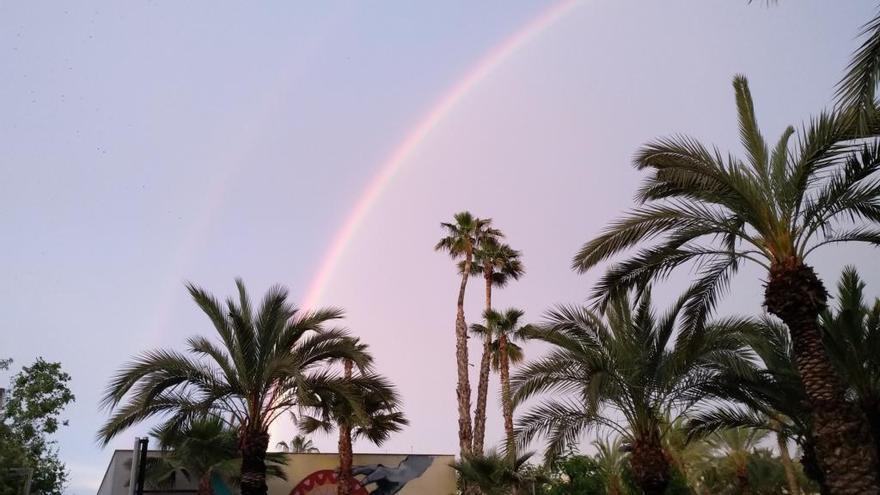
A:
x,y
507,323
375,418
463,236
299,444
497,260
777,204
627,371
266,362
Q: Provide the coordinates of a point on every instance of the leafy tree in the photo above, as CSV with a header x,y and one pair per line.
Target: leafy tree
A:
x,y
624,370
31,415
775,208
497,263
268,360
576,475
462,238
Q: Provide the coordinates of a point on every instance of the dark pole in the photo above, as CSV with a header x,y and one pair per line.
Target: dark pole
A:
x,y
142,466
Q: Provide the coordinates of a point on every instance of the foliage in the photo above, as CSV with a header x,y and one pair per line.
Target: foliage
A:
x,y
268,360
857,90
299,444
265,364
199,450
496,474
628,363
576,474
31,415
700,206
369,404
771,397
764,474
851,333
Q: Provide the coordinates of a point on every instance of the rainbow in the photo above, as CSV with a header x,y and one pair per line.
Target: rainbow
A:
x,y
399,155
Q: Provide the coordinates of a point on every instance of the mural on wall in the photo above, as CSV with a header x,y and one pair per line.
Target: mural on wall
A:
x,y
370,479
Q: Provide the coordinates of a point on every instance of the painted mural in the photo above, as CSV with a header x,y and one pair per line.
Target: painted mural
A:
x,y
375,474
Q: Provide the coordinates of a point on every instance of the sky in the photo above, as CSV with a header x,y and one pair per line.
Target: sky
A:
x,y
143,145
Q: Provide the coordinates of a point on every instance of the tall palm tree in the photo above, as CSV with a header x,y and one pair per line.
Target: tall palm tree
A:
x,y
774,209
626,371
498,263
501,330
299,444
461,239
266,362
373,414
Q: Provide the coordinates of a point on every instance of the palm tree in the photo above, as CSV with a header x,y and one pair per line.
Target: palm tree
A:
x,y
495,474
265,363
858,88
462,238
611,462
768,398
735,447
686,455
498,263
773,209
199,449
202,448
299,444
501,329
626,371
851,333
373,414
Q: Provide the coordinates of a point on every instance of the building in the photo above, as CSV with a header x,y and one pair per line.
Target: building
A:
x,y
315,474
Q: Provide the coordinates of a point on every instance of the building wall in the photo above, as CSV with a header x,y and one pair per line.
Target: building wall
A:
x,y
118,475
379,474
315,474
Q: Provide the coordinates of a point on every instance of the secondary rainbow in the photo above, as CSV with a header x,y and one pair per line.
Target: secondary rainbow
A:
x,y
482,69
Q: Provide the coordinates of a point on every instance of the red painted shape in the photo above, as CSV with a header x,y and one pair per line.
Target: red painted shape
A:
x,y
325,477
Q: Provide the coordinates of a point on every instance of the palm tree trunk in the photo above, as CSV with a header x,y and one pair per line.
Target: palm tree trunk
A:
x,y
483,384
649,464
790,476
742,477
811,467
871,407
253,445
506,402
463,388
344,479
205,485
844,446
